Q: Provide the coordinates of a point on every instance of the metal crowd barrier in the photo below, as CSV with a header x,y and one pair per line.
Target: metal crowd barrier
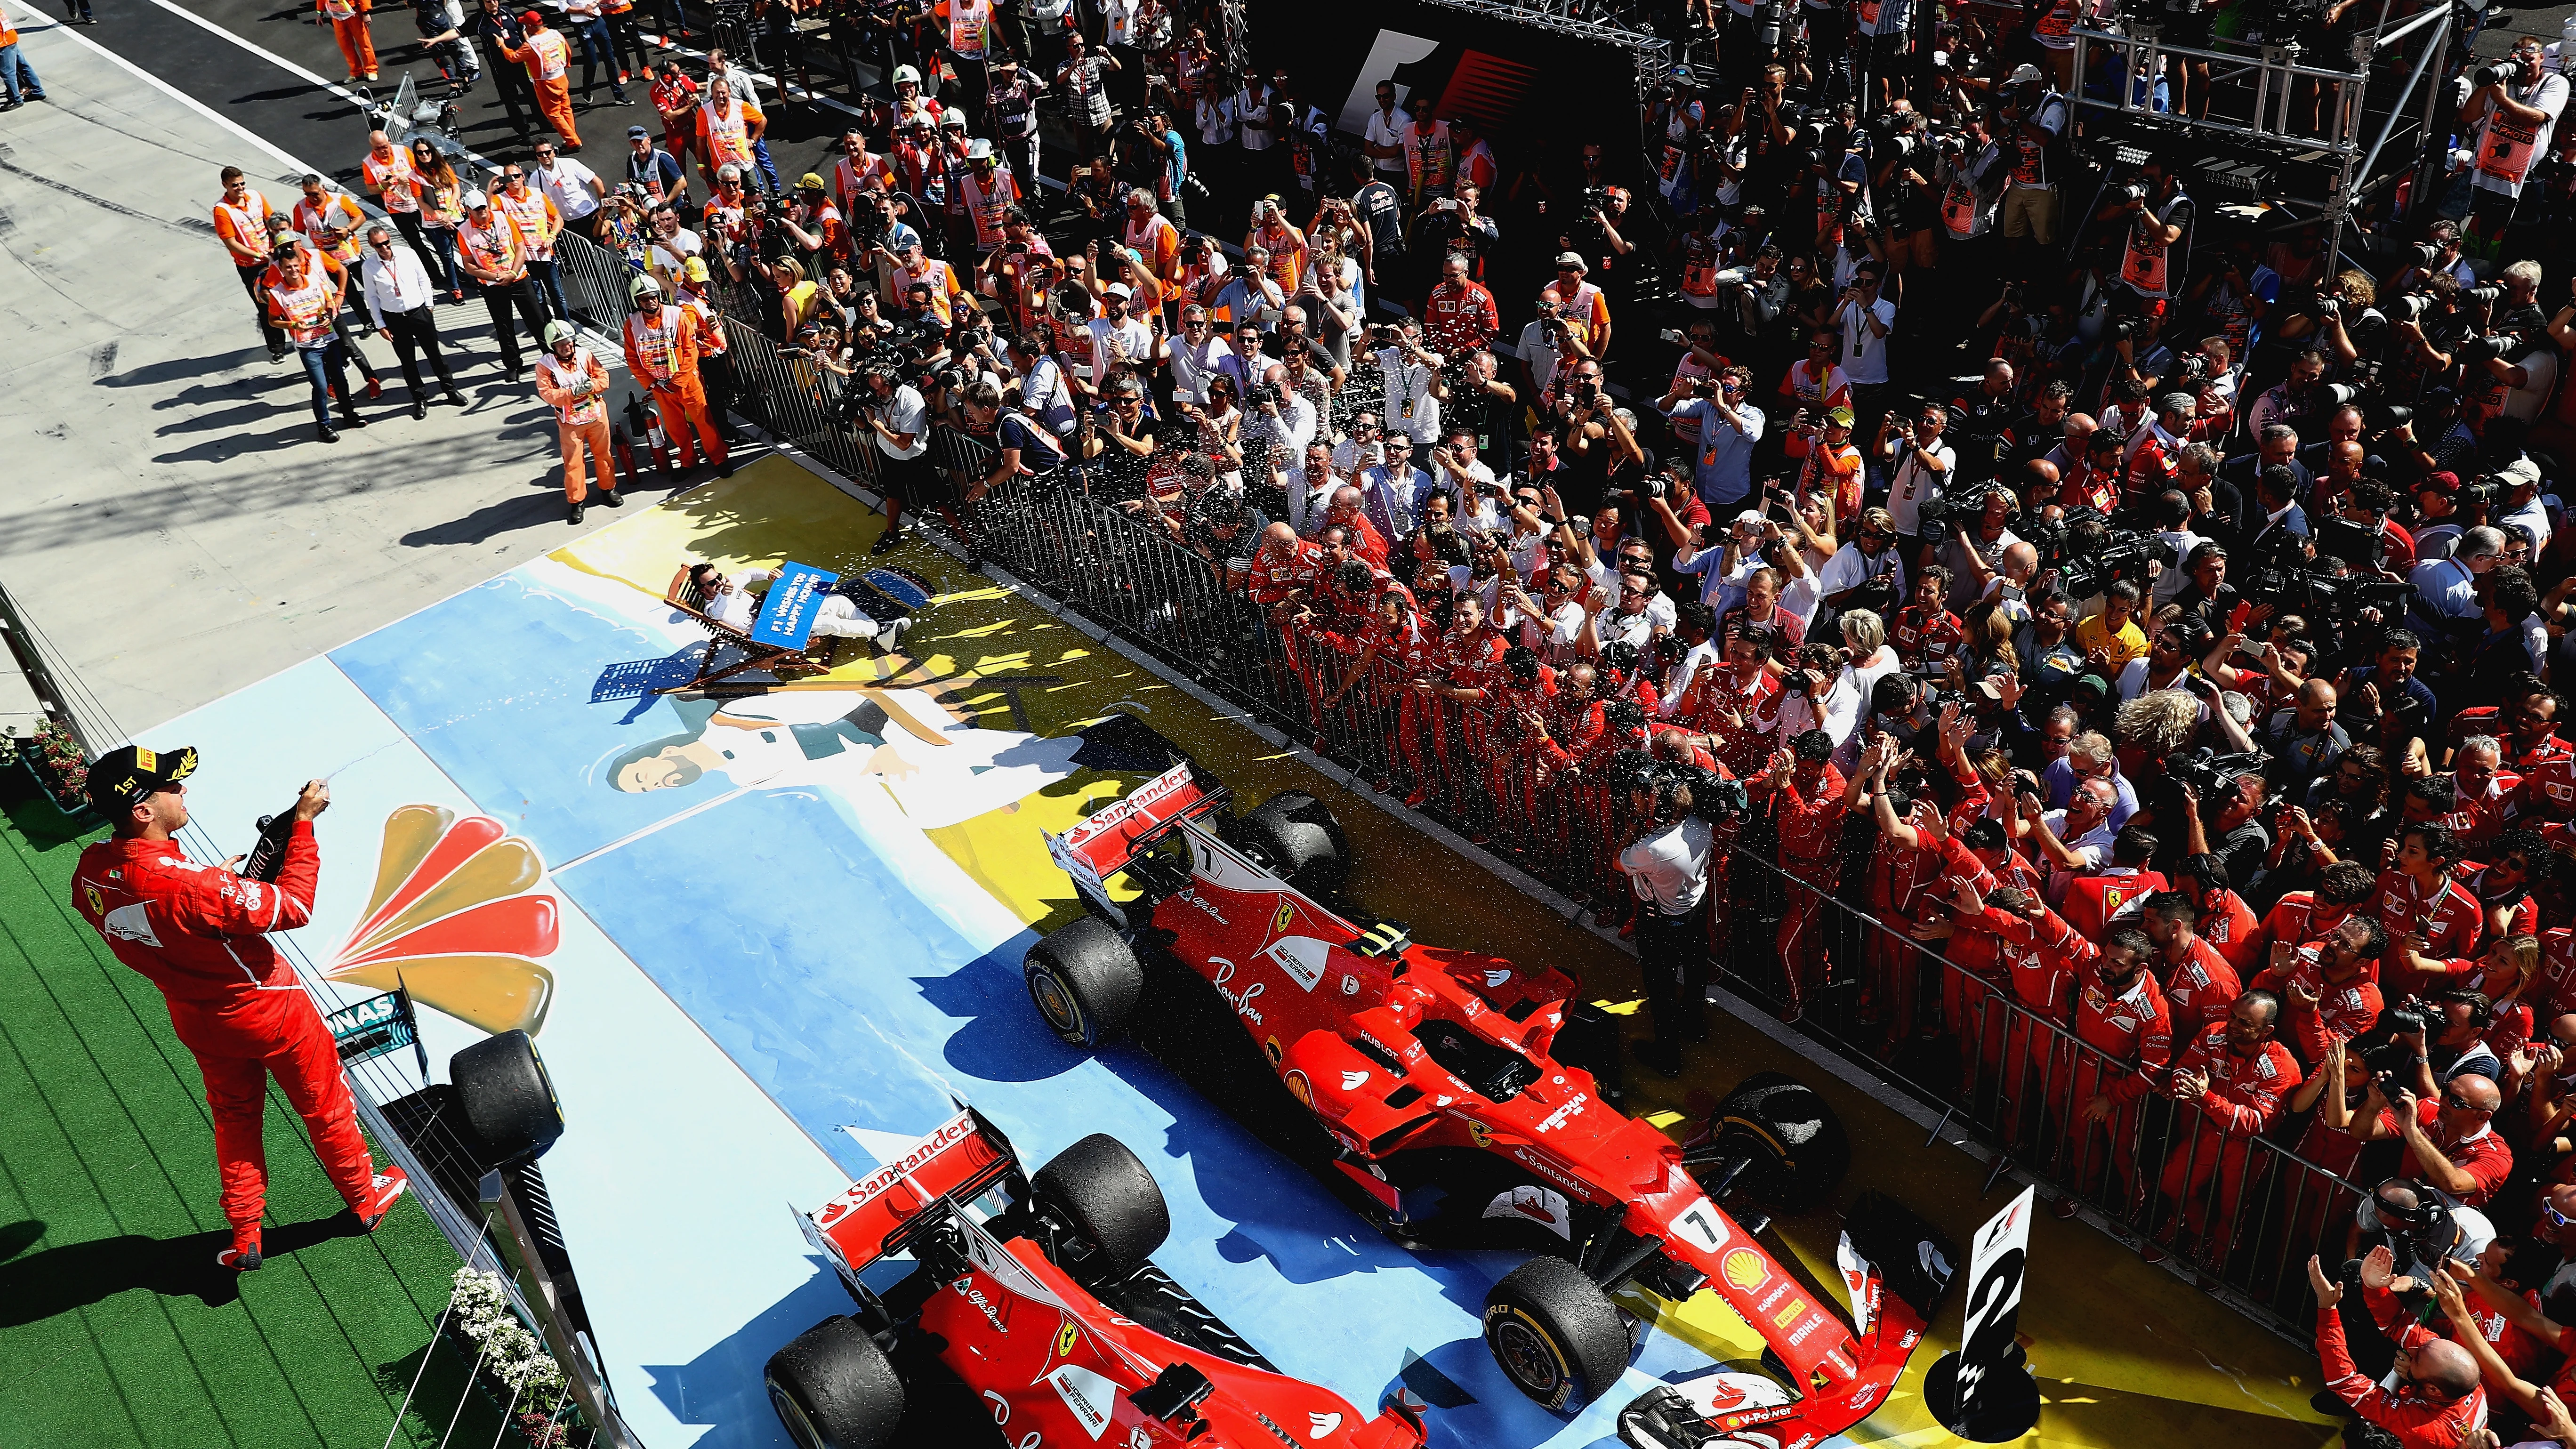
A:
x,y
2244,1213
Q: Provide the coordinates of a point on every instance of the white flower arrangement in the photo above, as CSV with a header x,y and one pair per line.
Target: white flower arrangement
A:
x,y
513,1354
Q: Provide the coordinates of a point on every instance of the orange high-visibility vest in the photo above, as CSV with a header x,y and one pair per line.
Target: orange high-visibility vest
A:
x,y
559,377
304,312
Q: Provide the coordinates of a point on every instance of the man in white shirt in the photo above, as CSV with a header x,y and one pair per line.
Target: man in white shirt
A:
x,y
1043,393
1309,478
1667,868
2176,540
1636,613
1276,428
2514,118
673,244
1383,138
1919,463
1864,318
899,421
1117,337
575,189
1413,387
1198,356
1537,349
402,304
1870,555
2083,828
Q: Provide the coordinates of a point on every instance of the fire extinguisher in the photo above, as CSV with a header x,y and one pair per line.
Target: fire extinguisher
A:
x,y
641,422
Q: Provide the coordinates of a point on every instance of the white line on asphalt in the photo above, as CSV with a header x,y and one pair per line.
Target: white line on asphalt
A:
x,y
610,351
157,83
356,102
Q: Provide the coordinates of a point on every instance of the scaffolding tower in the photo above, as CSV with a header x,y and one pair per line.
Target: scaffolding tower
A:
x,y
2264,94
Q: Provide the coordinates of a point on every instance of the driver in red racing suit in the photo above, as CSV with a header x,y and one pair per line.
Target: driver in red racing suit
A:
x,y
199,933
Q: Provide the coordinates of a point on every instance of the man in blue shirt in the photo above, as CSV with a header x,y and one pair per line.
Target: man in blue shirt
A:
x,y
1390,491
1729,429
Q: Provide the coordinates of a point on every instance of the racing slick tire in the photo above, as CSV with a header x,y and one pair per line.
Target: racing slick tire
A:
x,y
1555,1333
833,1388
1097,1188
1296,835
507,1099
1798,1146
1085,980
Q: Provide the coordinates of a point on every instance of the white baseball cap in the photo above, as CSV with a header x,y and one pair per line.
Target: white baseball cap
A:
x,y
1118,289
474,199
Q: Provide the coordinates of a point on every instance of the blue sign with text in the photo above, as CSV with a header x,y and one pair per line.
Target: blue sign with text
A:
x,y
795,597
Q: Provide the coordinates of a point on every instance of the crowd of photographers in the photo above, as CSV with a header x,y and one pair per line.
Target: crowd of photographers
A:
x,y
2130,631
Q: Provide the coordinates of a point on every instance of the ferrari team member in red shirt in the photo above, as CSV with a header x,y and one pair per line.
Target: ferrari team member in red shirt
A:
x,y
2421,905
2303,917
2235,1074
2450,1143
1459,315
1809,811
2196,979
2330,987
200,933
2436,1398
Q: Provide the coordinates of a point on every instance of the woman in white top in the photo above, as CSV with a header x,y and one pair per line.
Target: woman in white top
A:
x,y
1220,430
1872,659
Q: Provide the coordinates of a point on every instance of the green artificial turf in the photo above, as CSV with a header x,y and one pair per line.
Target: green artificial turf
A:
x,y
116,1325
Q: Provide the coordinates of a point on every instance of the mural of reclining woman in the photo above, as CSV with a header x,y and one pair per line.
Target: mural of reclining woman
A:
x,y
940,768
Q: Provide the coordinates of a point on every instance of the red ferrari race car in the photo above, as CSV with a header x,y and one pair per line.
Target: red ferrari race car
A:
x,y
1456,1099
1034,1318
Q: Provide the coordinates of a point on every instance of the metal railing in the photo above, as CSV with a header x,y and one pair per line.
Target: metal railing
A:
x,y
2242,1213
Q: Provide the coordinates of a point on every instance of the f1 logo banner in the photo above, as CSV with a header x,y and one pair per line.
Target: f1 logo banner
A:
x,y
795,597
1984,1391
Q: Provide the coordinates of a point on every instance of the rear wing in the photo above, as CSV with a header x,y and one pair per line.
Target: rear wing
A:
x,y
1101,845
962,1160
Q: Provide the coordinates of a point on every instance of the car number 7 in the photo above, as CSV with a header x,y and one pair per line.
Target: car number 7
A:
x,y
1700,1226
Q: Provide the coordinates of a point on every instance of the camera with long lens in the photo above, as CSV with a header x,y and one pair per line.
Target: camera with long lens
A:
x,y
2476,350
2493,73
2481,296
2408,306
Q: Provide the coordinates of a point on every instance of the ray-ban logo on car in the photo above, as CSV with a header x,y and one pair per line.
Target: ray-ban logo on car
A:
x,y
1240,1001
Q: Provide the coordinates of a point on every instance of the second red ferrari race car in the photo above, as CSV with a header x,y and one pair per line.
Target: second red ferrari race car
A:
x,y
1452,1096
1035,1318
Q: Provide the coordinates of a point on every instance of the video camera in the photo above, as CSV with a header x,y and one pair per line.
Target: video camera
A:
x,y
2319,587
2214,775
